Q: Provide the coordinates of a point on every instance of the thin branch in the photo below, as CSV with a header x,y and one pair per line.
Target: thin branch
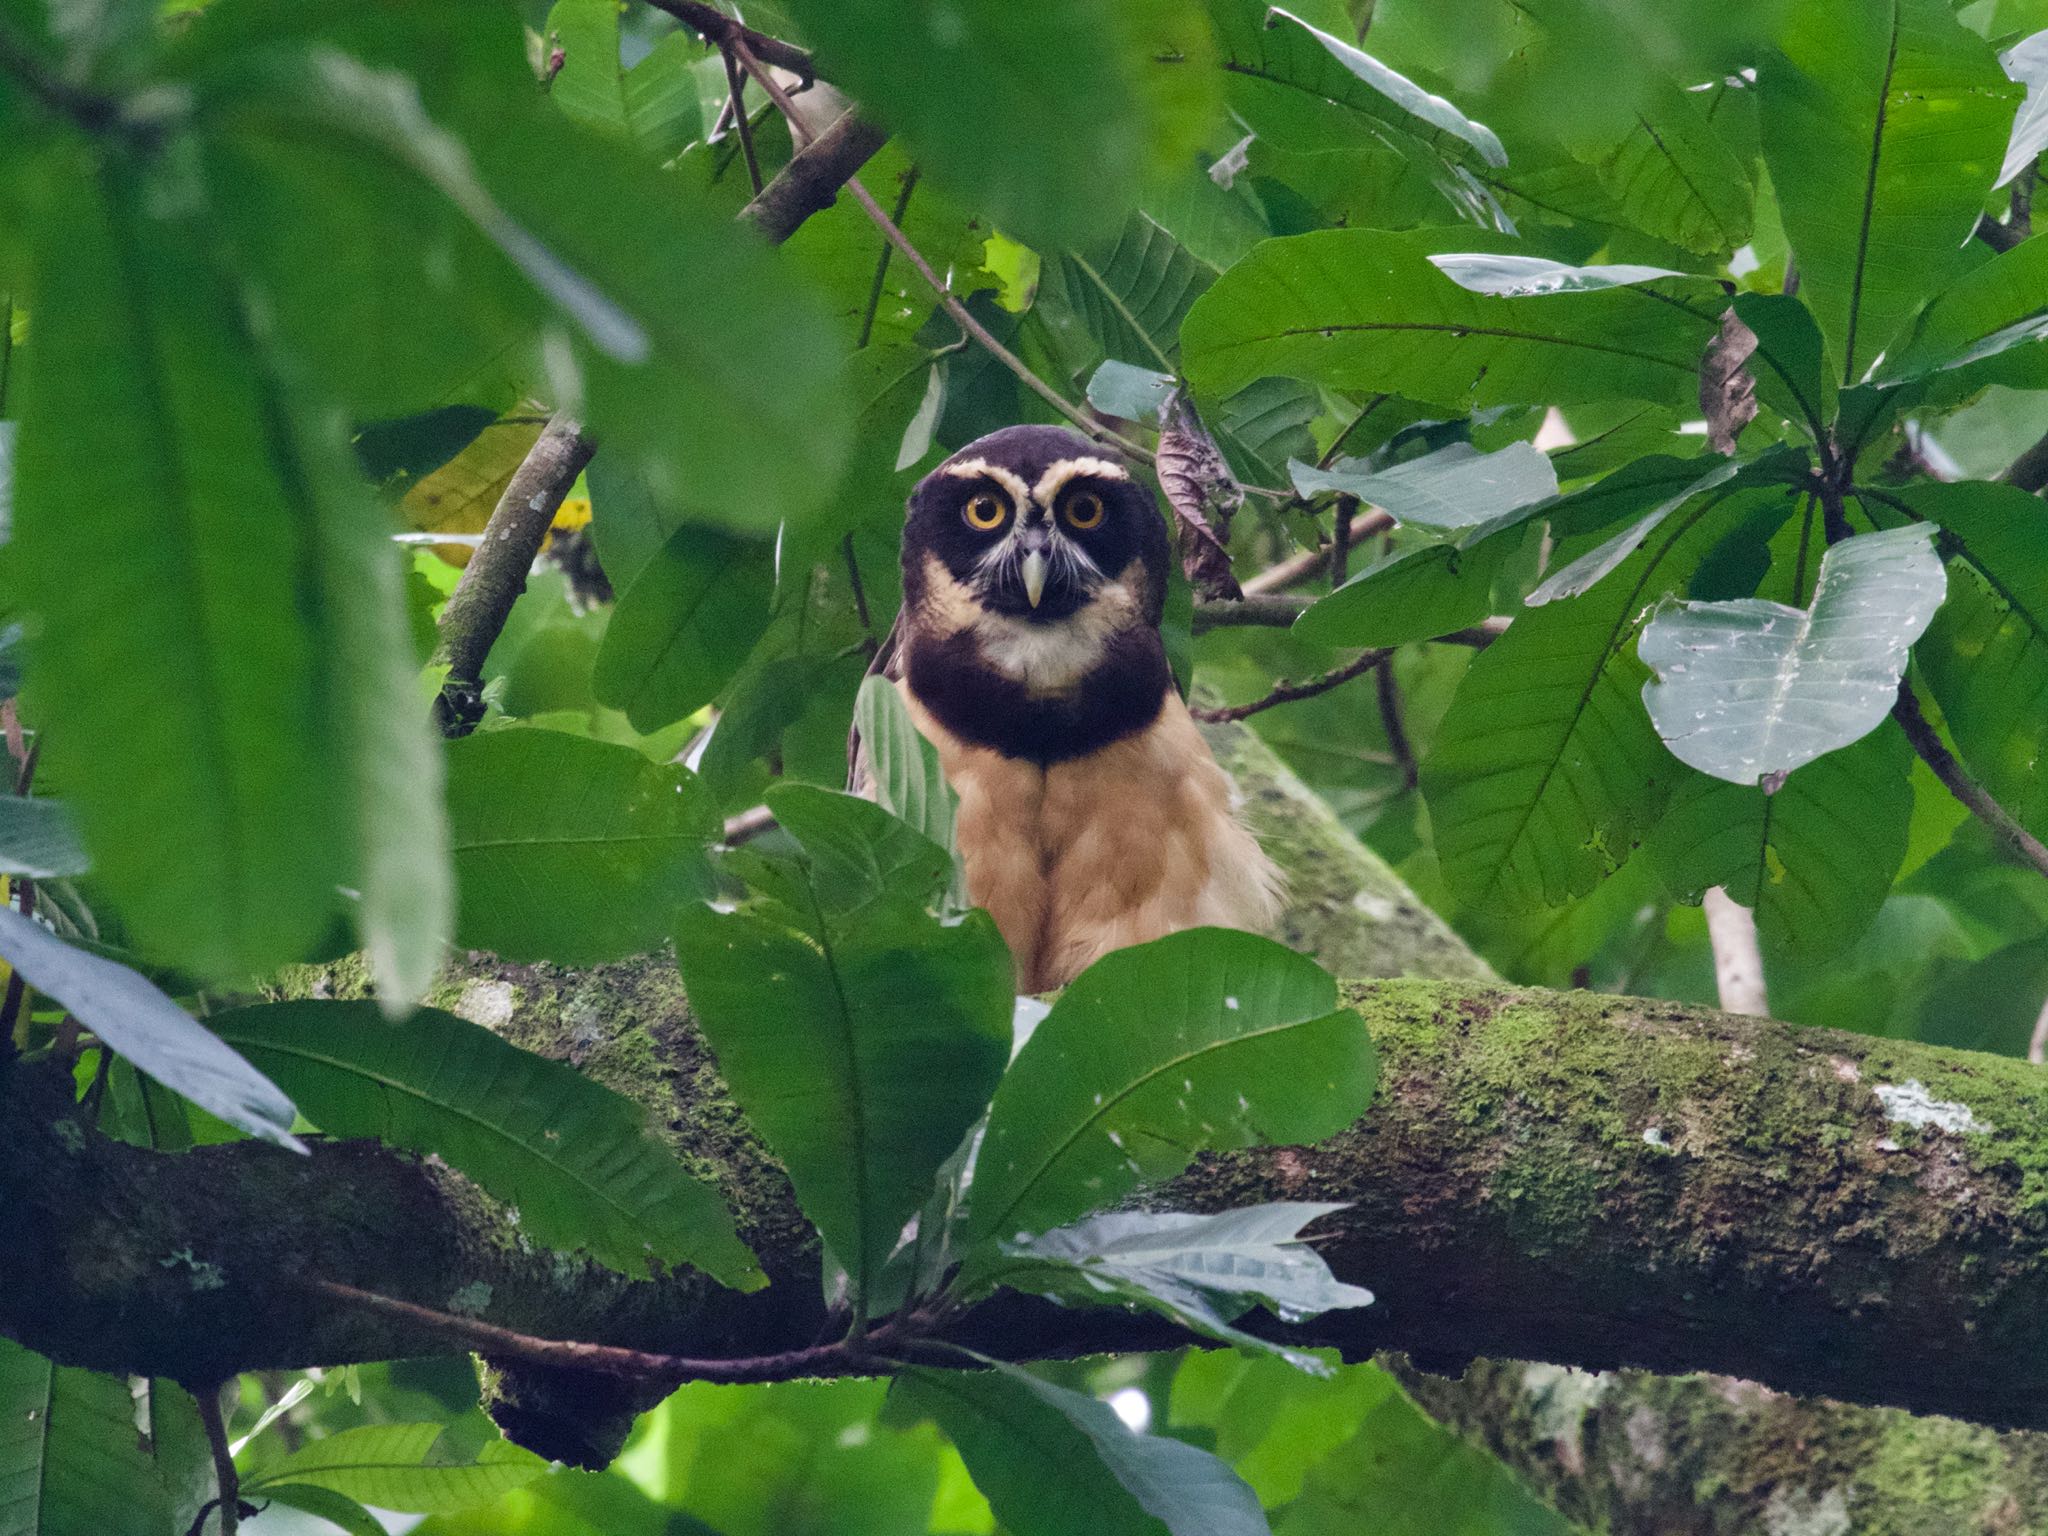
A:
x,y
1973,797
1738,958
1397,734
1272,611
1312,563
721,31
496,573
811,181
228,1486
869,643
747,825
1285,692
867,319
736,86
611,1359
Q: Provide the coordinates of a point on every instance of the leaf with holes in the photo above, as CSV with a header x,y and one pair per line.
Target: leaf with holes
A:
x,y
1884,124
1750,687
1205,1040
1052,1462
861,1035
578,1161
1364,309
1203,1272
569,849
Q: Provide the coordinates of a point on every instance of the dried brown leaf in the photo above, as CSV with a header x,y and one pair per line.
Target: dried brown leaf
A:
x,y
1727,390
1204,495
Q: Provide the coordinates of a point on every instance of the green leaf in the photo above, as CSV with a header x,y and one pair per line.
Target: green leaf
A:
x,y
1749,687
1129,294
1669,173
1136,394
1814,860
1453,489
1510,276
544,232
904,770
1050,139
1988,310
1580,575
684,627
337,1509
1362,309
628,521
1985,656
661,96
1546,771
589,86
37,839
1790,365
393,1467
1388,97
1201,1271
861,1036
126,1011
189,527
1884,122
1208,1039
1053,1462
71,1463
570,849
578,1160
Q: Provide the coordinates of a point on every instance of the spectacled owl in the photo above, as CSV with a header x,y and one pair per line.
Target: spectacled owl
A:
x,y
1092,814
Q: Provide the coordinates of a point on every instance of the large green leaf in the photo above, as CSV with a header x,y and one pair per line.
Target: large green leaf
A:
x,y
904,772
1814,859
570,849
1884,123
1988,310
544,232
1207,1039
654,103
71,1463
861,1036
188,528
684,626
396,1466
1985,656
1749,687
1362,309
578,1160
1053,1462
126,1011
1129,294
1201,1271
1546,771
1051,139
1453,489
1668,170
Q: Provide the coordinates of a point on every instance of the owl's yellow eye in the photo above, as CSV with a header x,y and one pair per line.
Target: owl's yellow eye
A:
x,y
1083,511
984,512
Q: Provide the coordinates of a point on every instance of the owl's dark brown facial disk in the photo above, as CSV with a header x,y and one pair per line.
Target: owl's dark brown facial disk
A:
x,y
1034,522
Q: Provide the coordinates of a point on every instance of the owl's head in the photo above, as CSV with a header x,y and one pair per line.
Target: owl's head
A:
x,y
1038,526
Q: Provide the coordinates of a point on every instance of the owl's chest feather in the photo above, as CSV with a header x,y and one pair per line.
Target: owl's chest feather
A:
x,y
1114,847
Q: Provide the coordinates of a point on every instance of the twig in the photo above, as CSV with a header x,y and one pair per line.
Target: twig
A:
x,y
1397,734
496,574
867,319
736,85
1738,959
722,32
1311,563
1285,692
1966,790
611,1359
228,1486
1271,611
860,600
747,825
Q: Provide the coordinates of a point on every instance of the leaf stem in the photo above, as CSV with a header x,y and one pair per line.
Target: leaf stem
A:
x,y
1285,692
1928,743
228,1486
736,85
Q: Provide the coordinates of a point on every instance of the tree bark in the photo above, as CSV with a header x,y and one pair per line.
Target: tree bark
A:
x,y
1588,1181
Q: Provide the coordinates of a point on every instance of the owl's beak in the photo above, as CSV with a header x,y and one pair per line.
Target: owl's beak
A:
x,y
1033,571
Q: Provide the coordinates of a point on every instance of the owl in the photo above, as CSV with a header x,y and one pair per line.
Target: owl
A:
x,y
1091,814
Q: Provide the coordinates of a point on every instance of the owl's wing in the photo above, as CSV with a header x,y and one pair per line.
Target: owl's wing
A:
x,y
888,663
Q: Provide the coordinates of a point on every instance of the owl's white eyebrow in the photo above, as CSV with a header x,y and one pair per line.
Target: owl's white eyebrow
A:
x,y
1059,474
981,469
